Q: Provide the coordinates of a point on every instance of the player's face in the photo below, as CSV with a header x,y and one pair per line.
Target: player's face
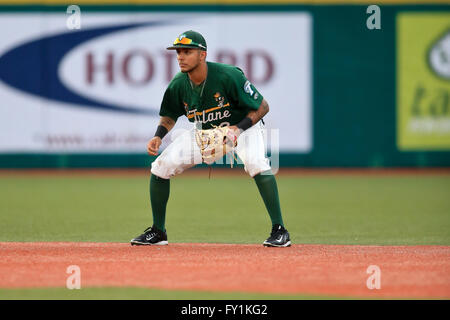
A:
x,y
189,59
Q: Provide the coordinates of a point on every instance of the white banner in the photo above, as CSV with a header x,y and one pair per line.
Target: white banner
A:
x,y
99,88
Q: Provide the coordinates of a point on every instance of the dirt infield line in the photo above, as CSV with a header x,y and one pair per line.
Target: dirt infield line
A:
x,y
221,172
341,270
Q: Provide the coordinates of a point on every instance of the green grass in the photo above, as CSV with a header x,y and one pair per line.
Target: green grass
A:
x,y
396,210
142,294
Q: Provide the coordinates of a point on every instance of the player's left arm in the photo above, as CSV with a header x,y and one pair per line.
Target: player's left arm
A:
x,y
252,117
256,115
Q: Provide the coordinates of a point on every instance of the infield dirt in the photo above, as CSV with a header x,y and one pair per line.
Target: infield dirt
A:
x,y
339,270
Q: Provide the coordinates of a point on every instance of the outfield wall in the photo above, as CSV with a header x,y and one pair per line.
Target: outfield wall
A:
x,y
341,94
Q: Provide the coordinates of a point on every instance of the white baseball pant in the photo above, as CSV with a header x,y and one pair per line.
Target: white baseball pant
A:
x,y
184,153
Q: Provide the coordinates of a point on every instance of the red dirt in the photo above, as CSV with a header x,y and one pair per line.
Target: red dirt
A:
x,y
406,271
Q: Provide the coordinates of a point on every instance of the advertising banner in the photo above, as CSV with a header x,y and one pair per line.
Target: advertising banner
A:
x,y
423,81
96,87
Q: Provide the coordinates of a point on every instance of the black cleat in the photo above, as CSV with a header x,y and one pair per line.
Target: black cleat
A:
x,y
279,237
151,236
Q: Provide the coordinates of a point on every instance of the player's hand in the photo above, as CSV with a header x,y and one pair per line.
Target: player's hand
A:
x,y
236,131
153,146
234,134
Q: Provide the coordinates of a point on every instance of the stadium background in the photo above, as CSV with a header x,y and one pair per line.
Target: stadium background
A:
x,y
353,87
342,96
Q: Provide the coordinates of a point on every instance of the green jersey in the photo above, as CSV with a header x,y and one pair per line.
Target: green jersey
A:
x,y
225,97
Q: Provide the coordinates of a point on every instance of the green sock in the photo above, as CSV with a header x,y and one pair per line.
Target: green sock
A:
x,y
159,195
267,186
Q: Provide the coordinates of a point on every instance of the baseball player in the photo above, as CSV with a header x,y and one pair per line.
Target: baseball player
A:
x,y
212,95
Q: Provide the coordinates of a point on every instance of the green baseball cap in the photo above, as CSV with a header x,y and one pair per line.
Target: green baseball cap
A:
x,y
189,39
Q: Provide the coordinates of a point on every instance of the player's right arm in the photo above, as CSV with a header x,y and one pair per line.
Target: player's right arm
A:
x,y
171,108
165,125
